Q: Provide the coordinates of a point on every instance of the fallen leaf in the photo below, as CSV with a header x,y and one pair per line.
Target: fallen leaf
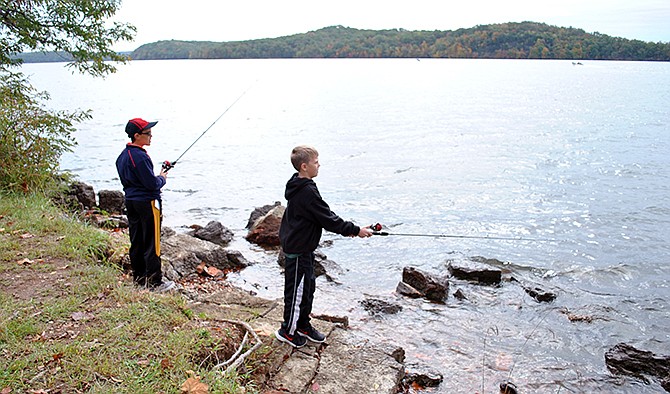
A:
x,y
25,262
194,386
166,364
77,316
213,271
26,236
2,230
201,268
5,390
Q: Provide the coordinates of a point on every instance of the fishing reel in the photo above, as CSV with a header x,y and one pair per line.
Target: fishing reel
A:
x,y
167,166
377,229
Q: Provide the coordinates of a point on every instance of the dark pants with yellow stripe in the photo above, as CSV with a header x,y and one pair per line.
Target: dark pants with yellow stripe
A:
x,y
145,242
299,287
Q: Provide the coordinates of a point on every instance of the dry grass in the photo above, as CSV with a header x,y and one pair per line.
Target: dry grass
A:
x,y
72,322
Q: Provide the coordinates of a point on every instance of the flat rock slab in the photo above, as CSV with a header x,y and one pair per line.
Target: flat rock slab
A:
x,y
345,363
348,365
296,373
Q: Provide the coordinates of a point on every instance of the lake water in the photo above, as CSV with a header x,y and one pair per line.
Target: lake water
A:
x,y
543,150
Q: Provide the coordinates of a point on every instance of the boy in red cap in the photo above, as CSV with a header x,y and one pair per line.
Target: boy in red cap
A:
x,y
143,197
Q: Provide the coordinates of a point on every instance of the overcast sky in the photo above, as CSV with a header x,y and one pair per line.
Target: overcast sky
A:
x,y
221,20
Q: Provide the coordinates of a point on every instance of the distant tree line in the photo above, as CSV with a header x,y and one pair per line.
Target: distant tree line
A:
x,y
526,40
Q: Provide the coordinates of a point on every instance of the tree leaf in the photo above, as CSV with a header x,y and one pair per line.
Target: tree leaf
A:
x,y
194,386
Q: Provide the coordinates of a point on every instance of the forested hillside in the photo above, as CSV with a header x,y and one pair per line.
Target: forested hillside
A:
x,y
526,40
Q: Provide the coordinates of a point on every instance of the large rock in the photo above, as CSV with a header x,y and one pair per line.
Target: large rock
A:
x,y
475,272
265,231
350,366
536,291
432,287
111,201
377,306
625,359
408,291
181,254
259,212
84,194
213,232
540,294
422,376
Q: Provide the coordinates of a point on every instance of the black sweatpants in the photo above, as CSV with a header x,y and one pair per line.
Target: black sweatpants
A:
x,y
299,287
145,242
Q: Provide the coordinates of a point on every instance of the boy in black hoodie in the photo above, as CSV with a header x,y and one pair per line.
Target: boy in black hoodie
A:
x,y
305,217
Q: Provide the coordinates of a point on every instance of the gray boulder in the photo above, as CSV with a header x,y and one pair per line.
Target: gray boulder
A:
x,y
84,194
475,272
111,201
625,359
181,254
259,212
408,291
213,232
422,376
376,306
432,287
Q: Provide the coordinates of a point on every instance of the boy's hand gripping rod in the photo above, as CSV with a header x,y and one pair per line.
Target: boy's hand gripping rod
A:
x,y
376,230
167,165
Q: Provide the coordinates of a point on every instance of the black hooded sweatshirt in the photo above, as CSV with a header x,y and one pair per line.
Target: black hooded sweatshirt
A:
x,y
306,215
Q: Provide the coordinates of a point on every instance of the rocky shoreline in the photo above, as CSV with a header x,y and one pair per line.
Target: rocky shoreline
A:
x,y
344,360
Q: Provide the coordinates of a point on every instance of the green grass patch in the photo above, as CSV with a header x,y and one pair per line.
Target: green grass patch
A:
x,y
35,227
70,322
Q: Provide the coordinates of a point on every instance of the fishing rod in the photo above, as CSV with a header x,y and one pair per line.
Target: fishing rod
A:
x,y
376,230
167,165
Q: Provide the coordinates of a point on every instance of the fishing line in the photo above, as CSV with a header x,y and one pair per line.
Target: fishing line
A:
x,y
167,165
377,231
520,352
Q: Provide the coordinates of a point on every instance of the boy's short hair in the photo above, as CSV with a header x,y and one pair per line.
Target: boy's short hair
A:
x,y
302,154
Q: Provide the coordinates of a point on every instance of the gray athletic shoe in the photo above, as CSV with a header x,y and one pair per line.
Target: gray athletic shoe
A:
x,y
165,286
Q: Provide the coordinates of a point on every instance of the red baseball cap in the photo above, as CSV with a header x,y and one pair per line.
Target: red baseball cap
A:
x,y
138,125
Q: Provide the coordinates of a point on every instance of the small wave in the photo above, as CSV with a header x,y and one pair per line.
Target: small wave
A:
x,y
188,192
208,213
404,170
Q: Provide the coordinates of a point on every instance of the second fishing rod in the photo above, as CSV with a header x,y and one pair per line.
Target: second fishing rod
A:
x,y
377,230
168,165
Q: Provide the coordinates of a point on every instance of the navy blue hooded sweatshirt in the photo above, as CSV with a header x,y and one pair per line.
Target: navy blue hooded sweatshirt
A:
x,y
306,215
136,171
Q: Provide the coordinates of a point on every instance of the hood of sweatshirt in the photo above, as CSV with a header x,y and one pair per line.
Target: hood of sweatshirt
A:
x,y
295,184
